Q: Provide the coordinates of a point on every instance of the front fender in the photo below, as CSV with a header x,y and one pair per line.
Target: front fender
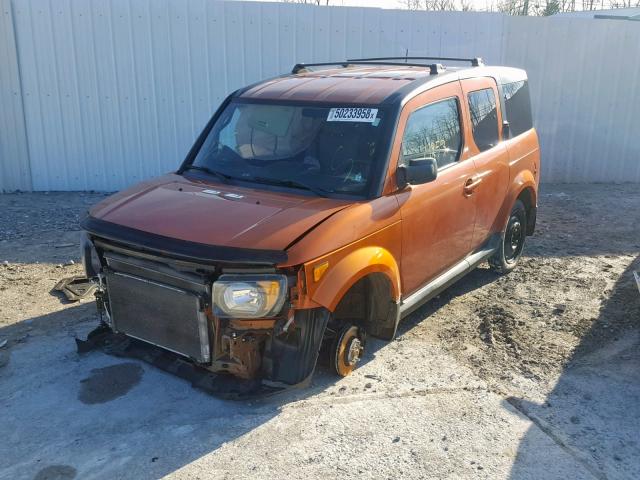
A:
x,y
341,276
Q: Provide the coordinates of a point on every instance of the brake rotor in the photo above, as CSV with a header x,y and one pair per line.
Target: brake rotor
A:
x,y
347,350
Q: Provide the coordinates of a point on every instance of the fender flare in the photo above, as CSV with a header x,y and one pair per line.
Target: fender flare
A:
x,y
353,267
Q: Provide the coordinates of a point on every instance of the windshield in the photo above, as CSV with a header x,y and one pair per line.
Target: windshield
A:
x,y
328,149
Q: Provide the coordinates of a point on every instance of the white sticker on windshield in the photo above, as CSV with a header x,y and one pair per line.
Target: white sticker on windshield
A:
x,y
367,115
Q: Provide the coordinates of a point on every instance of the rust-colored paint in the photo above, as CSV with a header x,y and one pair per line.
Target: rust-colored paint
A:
x,y
524,174
352,263
437,217
491,167
210,212
363,84
410,235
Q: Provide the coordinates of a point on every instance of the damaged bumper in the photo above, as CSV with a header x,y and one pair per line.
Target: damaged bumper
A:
x,y
161,309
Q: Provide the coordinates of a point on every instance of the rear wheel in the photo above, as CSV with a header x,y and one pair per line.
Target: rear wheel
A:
x,y
508,254
346,349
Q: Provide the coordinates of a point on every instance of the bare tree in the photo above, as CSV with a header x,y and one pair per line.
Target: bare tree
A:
x,y
308,2
521,7
438,5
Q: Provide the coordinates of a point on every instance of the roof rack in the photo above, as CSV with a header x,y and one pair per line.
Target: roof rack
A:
x,y
475,61
434,68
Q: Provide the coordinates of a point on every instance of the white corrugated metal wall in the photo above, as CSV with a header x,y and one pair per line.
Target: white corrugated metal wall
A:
x,y
115,91
14,155
584,76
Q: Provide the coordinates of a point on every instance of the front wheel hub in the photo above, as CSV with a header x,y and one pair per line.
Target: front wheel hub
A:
x,y
347,350
354,351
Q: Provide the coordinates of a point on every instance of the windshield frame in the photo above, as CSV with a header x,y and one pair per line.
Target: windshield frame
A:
x,y
374,184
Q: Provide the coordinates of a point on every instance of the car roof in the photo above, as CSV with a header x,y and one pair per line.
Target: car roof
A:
x,y
366,84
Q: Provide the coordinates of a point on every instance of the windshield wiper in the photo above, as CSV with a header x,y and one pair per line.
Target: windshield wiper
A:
x,y
290,183
223,176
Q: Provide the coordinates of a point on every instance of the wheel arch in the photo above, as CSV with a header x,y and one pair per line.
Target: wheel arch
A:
x,y
375,272
356,265
523,188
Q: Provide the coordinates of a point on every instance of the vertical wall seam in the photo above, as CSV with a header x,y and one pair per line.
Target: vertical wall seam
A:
x,y
26,175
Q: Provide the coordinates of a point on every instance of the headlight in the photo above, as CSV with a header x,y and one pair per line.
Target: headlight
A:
x,y
90,259
249,296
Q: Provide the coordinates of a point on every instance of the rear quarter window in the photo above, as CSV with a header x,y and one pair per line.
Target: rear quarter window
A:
x,y
517,106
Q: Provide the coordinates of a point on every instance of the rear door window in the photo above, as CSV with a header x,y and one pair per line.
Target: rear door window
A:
x,y
484,118
517,106
433,131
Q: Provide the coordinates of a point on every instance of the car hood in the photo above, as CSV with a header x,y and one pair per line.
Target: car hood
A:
x,y
216,214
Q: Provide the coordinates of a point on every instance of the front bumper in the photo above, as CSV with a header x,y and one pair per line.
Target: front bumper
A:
x,y
161,303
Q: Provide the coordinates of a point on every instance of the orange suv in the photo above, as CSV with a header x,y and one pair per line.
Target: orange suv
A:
x,y
315,209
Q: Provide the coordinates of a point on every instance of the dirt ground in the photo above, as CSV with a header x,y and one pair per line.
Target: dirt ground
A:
x,y
554,344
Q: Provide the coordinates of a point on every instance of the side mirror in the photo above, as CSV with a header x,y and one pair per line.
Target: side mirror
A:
x,y
418,171
506,132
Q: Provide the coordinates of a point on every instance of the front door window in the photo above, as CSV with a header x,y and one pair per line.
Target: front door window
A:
x,y
433,131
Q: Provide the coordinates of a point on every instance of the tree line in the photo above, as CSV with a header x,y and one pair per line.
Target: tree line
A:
x,y
510,7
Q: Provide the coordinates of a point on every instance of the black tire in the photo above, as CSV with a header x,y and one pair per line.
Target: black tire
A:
x,y
508,255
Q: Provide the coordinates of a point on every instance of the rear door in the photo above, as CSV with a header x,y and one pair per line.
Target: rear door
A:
x,y
437,217
489,154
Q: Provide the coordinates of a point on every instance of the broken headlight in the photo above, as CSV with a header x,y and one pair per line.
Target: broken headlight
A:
x,y
249,296
90,259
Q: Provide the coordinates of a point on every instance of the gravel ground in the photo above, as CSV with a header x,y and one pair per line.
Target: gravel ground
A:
x,y
532,375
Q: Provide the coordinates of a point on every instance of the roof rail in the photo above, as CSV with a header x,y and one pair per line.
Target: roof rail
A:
x,y
475,61
434,68
301,66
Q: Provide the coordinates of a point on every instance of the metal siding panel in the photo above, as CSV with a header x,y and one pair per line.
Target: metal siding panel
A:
x,y
286,36
181,82
15,173
303,39
40,88
109,92
251,39
320,34
144,107
234,44
402,33
353,39
337,39
163,71
583,112
269,42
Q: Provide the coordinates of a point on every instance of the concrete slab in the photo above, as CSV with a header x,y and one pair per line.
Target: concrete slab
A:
x,y
95,416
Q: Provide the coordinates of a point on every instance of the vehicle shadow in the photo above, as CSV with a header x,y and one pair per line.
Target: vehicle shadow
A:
x,y
593,411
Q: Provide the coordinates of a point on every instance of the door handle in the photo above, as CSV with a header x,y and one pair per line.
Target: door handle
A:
x,y
470,185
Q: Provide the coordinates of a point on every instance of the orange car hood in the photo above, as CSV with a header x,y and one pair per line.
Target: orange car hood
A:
x,y
215,213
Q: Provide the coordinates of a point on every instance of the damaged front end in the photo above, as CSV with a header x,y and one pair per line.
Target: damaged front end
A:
x,y
223,319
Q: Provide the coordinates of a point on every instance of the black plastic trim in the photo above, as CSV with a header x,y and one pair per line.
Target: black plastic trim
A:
x,y
180,249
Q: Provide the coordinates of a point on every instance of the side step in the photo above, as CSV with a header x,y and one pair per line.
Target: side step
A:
x,y
448,278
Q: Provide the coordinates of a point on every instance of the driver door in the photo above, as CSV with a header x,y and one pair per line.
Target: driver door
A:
x,y
437,217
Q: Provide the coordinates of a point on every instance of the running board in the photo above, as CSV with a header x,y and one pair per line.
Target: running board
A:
x,y
448,278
